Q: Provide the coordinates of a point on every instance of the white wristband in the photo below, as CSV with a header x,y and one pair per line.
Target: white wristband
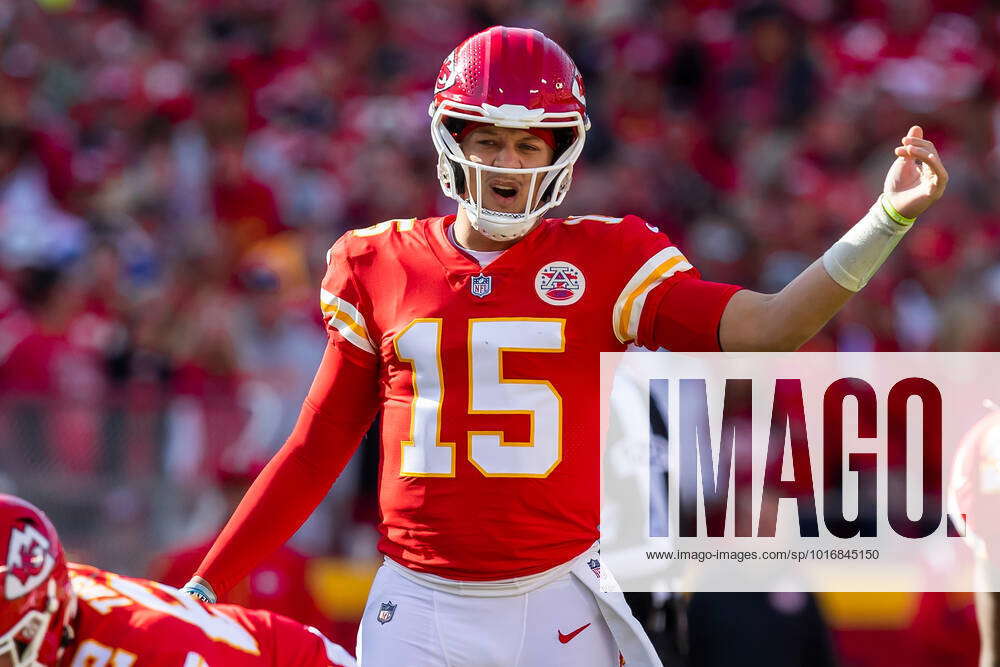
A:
x,y
200,591
855,258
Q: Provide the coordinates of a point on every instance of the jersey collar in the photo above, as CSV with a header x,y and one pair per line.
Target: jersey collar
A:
x,y
456,262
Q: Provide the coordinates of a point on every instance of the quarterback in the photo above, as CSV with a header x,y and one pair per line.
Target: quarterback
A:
x,y
59,614
477,337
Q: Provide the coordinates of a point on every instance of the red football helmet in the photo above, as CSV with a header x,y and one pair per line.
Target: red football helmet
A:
x,y
516,78
38,601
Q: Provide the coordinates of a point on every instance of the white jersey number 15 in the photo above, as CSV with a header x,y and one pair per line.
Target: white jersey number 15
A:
x,y
425,455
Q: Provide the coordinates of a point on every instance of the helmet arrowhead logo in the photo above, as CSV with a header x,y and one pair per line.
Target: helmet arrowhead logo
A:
x,y
577,89
31,564
29,561
448,74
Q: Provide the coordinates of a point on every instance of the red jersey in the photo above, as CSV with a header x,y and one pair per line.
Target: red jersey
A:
x,y
123,622
487,379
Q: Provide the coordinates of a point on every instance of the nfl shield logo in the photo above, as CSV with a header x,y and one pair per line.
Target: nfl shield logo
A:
x,y
595,566
386,612
481,285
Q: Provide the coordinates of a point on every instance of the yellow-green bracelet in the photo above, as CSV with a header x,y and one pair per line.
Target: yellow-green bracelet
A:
x,y
891,211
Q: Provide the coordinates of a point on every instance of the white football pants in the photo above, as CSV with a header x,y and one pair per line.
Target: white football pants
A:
x,y
409,624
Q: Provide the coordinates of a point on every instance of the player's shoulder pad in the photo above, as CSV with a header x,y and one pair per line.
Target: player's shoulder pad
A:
x,y
574,220
366,240
609,222
604,225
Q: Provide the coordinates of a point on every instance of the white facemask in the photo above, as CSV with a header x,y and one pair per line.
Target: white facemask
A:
x,y
499,225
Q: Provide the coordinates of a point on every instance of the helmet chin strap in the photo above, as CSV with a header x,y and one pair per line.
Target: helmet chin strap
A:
x,y
502,236
504,226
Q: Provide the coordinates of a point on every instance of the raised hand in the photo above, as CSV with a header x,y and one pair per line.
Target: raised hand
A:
x,y
917,178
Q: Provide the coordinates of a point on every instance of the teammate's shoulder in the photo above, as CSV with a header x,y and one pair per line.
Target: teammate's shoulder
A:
x,y
81,570
88,581
297,643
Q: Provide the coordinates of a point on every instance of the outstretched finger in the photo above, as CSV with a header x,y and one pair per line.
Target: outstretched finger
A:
x,y
916,131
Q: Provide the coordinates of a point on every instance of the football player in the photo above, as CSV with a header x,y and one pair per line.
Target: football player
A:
x,y
477,337
59,614
974,504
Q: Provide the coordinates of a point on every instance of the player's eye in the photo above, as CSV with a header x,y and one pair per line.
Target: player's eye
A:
x,y
529,147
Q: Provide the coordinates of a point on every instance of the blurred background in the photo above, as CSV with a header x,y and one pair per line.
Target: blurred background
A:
x,y
172,173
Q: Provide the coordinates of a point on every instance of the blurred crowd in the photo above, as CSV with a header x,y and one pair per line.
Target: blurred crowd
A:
x,y
172,173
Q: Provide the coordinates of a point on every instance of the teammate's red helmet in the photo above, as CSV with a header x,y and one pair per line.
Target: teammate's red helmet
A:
x,y
516,78
37,601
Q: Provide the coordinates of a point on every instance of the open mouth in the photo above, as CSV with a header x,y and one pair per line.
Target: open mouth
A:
x,y
505,192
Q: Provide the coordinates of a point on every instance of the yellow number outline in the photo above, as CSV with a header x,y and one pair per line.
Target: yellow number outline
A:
x,y
530,413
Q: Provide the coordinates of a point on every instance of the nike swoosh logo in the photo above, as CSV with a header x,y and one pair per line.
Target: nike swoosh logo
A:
x,y
566,638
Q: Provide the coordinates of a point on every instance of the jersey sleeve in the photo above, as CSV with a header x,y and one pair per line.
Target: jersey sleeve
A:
x,y
664,302
344,303
339,408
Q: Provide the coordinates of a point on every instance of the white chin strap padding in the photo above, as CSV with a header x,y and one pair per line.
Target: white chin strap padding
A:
x,y
501,231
